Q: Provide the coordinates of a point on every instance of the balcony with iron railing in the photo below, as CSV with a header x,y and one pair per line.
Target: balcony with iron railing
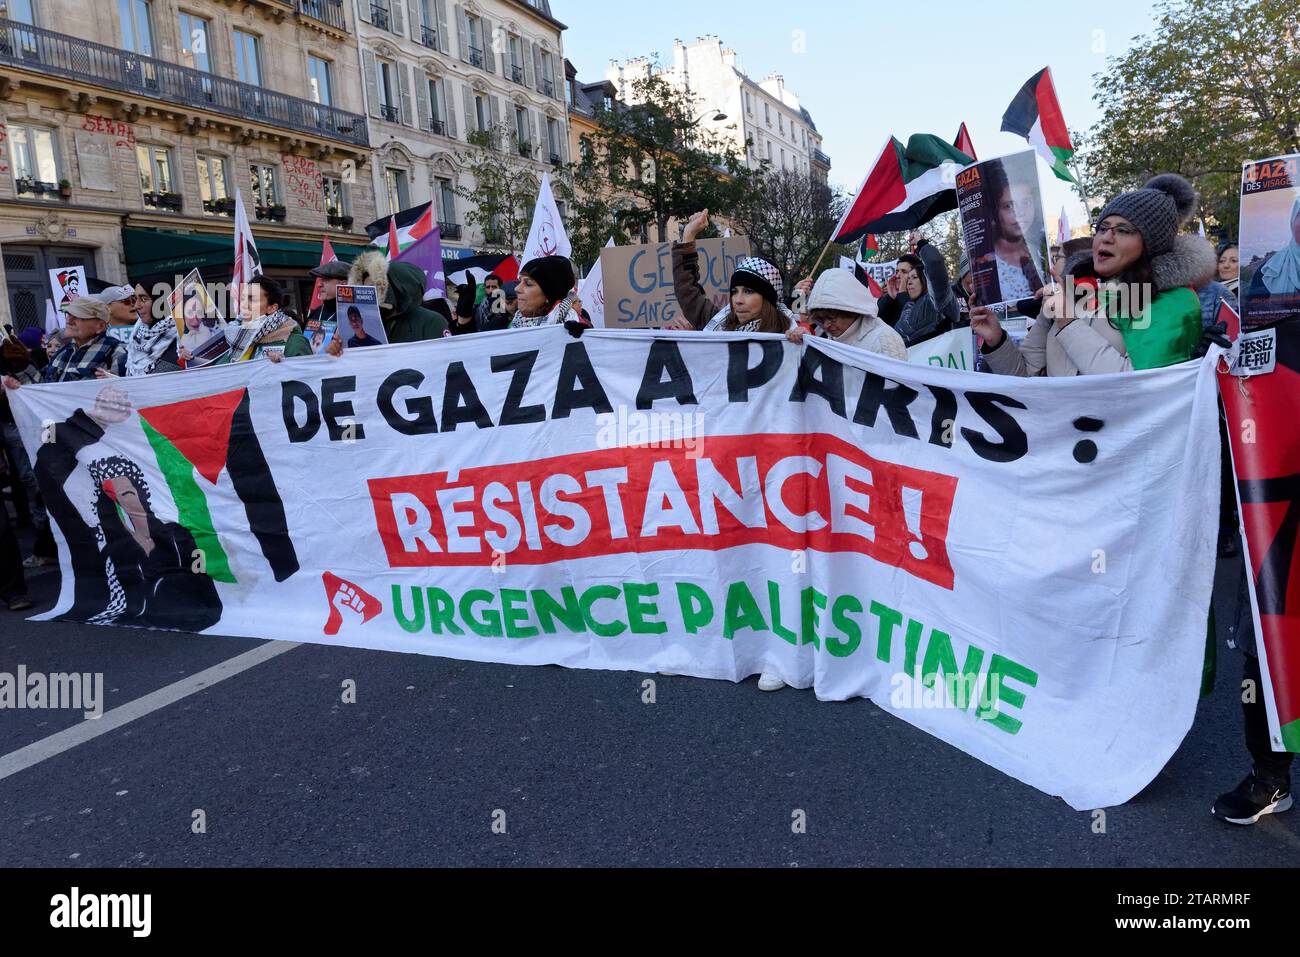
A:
x,y
326,11
379,16
516,73
548,87
449,230
38,50
390,113
429,37
476,57
437,126
820,157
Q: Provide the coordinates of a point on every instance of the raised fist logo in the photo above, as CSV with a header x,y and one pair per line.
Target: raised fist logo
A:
x,y
347,600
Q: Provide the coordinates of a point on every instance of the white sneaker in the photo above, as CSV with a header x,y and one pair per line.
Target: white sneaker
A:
x,y
769,682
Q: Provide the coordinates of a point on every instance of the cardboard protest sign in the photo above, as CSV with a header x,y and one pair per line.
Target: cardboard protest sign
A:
x,y
639,280
357,319
66,285
1004,228
1270,241
531,498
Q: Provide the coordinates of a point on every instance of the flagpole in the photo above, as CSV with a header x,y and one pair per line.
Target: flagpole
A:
x,y
822,255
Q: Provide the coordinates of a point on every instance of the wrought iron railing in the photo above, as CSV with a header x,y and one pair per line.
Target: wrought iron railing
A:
x,y
58,54
449,230
326,11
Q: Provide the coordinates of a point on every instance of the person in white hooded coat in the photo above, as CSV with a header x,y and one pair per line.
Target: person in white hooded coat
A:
x,y
849,314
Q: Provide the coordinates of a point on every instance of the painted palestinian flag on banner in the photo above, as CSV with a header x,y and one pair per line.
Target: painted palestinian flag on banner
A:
x,y
907,187
411,226
1035,114
963,142
202,443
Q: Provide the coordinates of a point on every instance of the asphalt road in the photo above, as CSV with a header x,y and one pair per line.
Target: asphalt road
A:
x,y
585,773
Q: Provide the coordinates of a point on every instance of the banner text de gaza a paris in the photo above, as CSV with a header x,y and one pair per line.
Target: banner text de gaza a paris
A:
x,y
1016,566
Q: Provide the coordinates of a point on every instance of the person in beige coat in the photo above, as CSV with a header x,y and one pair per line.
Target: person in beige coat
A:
x,y
847,311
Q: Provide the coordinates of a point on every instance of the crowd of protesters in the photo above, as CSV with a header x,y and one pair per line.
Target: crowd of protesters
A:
x,y
1139,240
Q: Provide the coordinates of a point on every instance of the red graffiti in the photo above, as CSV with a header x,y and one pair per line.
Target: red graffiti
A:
x,y
304,181
124,132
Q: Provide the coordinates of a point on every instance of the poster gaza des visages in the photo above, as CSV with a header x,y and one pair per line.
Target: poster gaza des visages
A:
x,y
1021,567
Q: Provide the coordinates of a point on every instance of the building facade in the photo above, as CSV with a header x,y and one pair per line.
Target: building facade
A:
x,y
123,153
435,72
764,114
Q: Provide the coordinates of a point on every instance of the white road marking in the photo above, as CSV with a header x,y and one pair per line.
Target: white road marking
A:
x,y
56,744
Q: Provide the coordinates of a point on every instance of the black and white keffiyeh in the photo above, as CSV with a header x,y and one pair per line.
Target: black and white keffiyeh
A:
x,y
558,314
147,345
242,337
767,274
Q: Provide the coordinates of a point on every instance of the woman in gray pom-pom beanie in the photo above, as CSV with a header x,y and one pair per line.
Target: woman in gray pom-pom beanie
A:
x,y
1146,313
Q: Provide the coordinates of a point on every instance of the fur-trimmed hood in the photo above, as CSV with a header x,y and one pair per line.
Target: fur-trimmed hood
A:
x,y
1190,262
371,269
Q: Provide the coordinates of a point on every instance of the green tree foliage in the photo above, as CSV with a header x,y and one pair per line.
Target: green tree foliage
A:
x,y
1218,83
505,189
651,147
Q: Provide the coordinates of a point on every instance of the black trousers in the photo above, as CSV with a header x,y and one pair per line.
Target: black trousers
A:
x,y
12,583
1272,766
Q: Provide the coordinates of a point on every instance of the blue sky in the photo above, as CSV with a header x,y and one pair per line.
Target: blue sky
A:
x,y
874,69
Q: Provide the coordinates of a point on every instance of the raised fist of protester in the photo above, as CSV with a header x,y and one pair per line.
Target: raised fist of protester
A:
x,y
984,323
112,405
914,239
695,225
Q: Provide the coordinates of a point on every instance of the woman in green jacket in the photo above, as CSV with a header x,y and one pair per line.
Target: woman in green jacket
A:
x,y
267,332
1141,310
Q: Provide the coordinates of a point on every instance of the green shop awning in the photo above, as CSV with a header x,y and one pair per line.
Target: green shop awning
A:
x,y
161,252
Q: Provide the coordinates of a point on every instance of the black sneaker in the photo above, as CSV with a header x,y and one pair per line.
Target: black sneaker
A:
x,y
1252,799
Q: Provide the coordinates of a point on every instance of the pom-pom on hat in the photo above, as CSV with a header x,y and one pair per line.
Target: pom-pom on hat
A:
x,y
1156,210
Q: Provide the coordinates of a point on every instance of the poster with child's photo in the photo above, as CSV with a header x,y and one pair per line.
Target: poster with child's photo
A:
x,y
200,327
359,323
1005,231
321,335
1270,241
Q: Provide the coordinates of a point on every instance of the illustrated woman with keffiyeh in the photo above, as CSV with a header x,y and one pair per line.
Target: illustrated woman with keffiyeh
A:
x,y
129,566
1280,273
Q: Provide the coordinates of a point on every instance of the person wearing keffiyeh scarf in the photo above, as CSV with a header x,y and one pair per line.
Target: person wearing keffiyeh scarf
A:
x,y
267,331
152,346
546,295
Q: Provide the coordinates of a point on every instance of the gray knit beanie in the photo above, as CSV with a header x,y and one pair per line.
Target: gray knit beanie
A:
x,y
1156,210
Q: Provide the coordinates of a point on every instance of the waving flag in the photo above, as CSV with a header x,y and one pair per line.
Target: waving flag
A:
x,y
870,248
907,187
1035,114
410,225
547,236
592,292
247,262
427,254
480,267
326,256
963,142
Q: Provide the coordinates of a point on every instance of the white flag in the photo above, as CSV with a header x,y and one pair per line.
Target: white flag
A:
x,y
592,292
53,323
547,237
1063,228
247,262
726,233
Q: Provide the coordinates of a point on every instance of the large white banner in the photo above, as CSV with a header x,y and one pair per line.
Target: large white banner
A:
x,y
1021,567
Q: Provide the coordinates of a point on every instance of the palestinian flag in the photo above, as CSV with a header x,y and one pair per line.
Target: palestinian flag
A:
x,y
1035,114
480,267
870,249
410,225
963,142
861,275
204,443
907,187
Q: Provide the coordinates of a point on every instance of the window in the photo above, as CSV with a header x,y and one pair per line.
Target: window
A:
x,y
19,10
780,120
428,33
155,164
767,114
516,59
548,74
336,197
263,184
399,190
482,113
137,32
379,14
194,43
387,91
34,160
446,202
769,151
749,105
248,58
568,92
318,80
437,111
475,41
213,179
521,130
553,139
